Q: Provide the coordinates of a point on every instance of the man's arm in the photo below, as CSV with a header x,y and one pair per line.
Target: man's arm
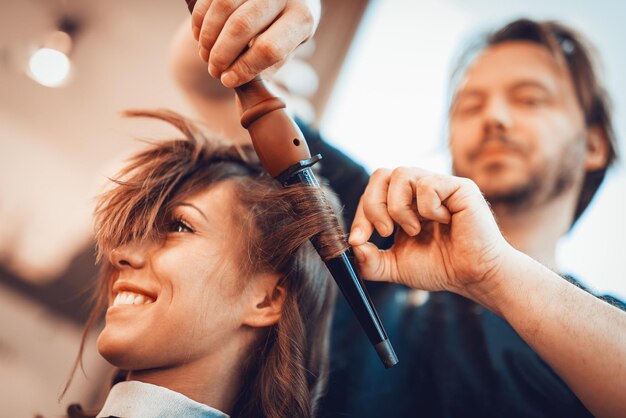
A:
x,y
581,337
449,240
214,103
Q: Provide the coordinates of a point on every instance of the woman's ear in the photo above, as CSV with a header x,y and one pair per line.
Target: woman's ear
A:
x,y
597,149
265,304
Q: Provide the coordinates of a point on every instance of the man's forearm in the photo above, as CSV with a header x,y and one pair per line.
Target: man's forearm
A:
x,y
214,103
581,337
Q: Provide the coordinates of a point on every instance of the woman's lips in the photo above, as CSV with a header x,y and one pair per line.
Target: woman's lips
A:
x,y
125,292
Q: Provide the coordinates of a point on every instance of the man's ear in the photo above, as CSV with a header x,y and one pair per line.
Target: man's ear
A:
x,y
265,302
597,153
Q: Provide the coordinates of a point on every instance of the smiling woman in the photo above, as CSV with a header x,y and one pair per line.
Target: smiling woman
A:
x,y
215,301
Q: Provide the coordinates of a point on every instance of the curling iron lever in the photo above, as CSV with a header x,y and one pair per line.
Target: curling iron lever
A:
x,y
284,153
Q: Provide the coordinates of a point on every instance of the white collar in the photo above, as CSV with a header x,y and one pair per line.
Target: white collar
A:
x,y
134,399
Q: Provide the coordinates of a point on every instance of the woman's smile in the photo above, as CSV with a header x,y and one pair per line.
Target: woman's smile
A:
x,y
131,298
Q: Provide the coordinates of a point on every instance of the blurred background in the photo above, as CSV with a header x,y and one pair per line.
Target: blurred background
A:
x,y
373,80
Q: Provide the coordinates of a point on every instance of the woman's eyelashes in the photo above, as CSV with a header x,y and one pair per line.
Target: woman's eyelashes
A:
x,y
178,224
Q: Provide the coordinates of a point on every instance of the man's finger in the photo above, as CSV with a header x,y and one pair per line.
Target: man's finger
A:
x,y
243,25
375,202
400,201
269,47
430,192
197,16
213,20
375,264
362,228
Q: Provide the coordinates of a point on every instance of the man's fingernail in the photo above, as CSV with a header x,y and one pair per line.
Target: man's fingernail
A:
x,y
196,32
410,230
229,79
356,235
381,228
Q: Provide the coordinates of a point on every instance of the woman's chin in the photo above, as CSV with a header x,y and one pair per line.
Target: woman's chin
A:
x,y
116,351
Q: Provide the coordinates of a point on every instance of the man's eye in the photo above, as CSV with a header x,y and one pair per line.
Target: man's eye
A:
x,y
530,101
467,107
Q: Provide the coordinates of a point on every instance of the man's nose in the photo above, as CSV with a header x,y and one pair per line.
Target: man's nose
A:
x,y
131,255
497,114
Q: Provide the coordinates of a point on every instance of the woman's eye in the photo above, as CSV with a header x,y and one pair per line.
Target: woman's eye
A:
x,y
179,225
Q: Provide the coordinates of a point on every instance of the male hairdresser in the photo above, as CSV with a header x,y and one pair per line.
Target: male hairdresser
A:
x,y
481,323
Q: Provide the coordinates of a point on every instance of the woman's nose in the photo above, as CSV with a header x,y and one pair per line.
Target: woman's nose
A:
x,y
131,255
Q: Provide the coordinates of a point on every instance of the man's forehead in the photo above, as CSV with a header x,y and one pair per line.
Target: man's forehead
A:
x,y
509,63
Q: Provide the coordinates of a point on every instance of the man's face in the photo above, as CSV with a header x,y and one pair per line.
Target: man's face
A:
x,y
516,127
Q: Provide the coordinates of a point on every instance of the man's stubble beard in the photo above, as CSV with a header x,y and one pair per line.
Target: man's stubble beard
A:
x,y
546,182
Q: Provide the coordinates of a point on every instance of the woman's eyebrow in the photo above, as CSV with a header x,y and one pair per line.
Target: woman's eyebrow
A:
x,y
191,205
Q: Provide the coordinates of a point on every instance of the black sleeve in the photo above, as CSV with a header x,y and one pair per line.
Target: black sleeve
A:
x,y
610,299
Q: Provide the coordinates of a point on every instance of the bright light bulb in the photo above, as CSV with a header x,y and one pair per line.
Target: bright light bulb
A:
x,y
49,67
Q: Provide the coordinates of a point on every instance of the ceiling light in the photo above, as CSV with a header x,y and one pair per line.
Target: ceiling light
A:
x,y
50,65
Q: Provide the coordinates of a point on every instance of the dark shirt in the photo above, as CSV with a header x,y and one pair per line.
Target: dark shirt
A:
x,y
457,359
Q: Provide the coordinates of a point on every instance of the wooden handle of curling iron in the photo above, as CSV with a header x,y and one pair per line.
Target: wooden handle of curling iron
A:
x,y
276,138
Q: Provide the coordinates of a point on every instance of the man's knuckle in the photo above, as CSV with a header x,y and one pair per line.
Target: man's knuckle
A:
x,y
469,183
381,173
395,209
401,172
218,59
223,6
205,37
373,209
241,24
244,68
421,184
270,50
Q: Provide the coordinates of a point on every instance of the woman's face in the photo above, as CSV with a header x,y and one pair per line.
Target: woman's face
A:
x,y
181,300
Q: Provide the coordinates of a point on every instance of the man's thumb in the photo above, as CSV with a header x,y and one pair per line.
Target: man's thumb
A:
x,y
373,264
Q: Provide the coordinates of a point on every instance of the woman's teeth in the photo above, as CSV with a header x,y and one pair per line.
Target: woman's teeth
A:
x,y
131,298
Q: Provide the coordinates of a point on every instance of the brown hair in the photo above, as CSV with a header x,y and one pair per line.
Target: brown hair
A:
x,y
287,368
576,53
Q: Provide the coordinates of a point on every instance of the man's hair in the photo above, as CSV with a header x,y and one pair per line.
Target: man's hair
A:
x,y
285,372
572,50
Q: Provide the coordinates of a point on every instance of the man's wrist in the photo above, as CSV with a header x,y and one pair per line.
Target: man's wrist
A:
x,y
492,290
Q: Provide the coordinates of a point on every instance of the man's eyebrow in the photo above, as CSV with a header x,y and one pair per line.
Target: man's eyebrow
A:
x,y
530,83
469,93
191,205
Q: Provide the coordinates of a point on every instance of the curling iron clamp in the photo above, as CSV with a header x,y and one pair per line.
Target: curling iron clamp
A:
x,y
284,153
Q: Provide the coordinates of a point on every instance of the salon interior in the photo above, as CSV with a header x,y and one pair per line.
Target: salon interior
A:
x,y
373,80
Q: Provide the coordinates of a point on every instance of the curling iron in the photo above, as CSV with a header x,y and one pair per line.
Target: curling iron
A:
x,y
284,153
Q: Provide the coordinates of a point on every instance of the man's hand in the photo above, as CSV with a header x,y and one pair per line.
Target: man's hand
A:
x,y
269,29
447,237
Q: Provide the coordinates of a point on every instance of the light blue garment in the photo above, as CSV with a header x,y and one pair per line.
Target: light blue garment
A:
x,y
135,399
